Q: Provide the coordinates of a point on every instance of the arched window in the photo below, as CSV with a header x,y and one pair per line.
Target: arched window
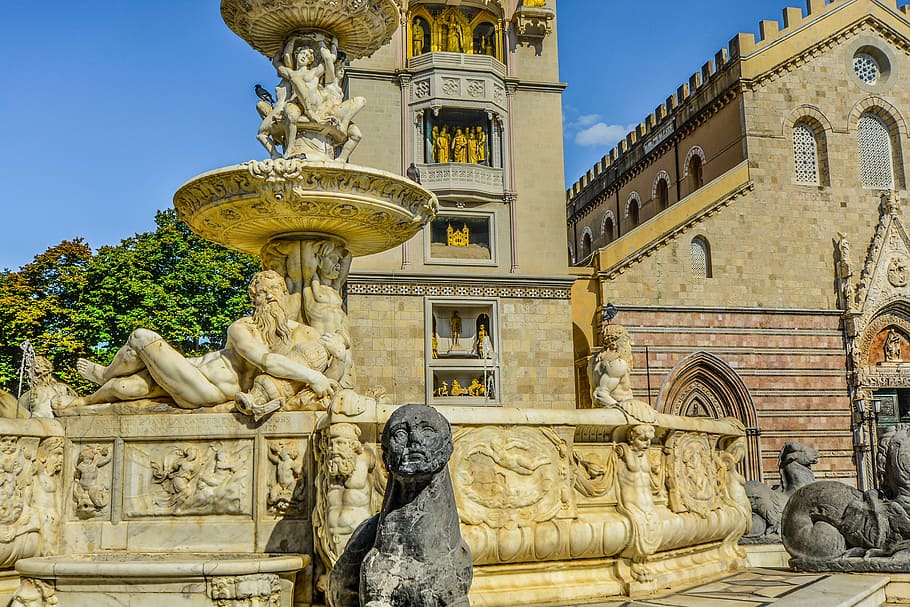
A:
x,y
663,194
805,154
586,243
608,228
695,172
633,206
876,166
660,190
701,257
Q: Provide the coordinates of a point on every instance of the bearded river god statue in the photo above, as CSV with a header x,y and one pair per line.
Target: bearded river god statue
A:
x,y
268,343
830,526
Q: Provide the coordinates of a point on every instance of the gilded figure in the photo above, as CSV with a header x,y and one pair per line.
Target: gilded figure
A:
x,y
480,142
459,147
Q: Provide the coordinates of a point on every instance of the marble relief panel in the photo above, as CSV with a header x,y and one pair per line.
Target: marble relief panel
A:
x,y
188,478
92,480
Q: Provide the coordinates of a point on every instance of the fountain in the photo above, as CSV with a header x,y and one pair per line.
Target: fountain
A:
x,y
238,477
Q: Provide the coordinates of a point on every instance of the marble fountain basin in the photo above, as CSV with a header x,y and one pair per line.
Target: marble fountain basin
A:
x,y
176,580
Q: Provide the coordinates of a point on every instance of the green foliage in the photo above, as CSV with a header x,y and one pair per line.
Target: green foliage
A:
x,y
71,303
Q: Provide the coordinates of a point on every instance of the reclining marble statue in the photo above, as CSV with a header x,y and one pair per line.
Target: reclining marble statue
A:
x,y
266,343
831,526
412,553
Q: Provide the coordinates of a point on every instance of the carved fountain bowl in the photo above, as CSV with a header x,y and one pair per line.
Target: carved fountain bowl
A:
x,y
361,26
245,206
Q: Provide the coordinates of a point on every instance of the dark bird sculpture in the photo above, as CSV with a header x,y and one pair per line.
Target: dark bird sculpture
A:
x,y
413,173
608,313
263,94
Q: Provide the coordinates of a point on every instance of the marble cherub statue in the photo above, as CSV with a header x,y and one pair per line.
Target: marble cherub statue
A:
x,y
268,342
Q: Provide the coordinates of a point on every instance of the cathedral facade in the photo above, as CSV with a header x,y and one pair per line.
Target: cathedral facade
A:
x,y
750,232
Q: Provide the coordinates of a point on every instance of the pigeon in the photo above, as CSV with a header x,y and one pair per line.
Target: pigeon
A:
x,y
608,313
264,95
413,173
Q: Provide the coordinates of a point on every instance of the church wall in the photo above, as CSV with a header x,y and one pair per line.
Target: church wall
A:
x,y
791,363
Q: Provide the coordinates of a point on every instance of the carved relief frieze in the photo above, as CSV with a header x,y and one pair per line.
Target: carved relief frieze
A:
x,y
260,590
188,478
34,593
92,480
505,477
594,471
286,489
30,471
693,477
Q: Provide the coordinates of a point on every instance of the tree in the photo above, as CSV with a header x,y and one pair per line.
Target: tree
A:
x,y
40,303
71,303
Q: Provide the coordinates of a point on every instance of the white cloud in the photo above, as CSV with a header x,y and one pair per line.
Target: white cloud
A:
x,y
586,120
602,134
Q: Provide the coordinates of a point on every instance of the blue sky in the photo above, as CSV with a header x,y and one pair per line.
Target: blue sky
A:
x,y
108,106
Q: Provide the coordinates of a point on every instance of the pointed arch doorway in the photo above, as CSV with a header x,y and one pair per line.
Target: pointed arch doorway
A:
x,y
703,385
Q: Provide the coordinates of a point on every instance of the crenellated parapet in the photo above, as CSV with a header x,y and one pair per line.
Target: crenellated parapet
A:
x,y
746,63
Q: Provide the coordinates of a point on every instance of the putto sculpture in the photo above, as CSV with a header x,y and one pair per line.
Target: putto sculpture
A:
x,y
830,526
609,373
411,554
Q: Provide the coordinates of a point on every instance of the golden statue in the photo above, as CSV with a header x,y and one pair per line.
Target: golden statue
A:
x,y
459,147
416,38
443,390
458,238
455,326
441,143
476,388
534,3
435,346
480,141
472,146
454,36
481,337
457,389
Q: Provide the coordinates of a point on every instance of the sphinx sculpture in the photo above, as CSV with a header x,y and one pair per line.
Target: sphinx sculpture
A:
x,y
411,554
794,463
830,526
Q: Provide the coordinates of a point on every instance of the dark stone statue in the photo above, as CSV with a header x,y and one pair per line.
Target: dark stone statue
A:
x,y
411,554
830,526
794,464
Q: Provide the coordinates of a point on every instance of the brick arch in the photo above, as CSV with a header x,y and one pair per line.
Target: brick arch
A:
x,y
881,108
662,175
695,150
633,196
705,377
805,113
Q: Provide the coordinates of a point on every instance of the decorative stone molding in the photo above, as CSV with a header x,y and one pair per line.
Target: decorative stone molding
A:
x,y
361,26
808,113
260,590
466,289
533,23
245,206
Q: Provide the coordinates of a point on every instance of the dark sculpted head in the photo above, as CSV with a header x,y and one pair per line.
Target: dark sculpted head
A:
x,y
416,441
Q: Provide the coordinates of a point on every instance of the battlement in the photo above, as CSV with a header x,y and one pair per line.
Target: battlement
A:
x,y
740,47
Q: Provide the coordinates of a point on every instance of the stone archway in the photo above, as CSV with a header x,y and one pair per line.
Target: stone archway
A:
x,y
703,385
